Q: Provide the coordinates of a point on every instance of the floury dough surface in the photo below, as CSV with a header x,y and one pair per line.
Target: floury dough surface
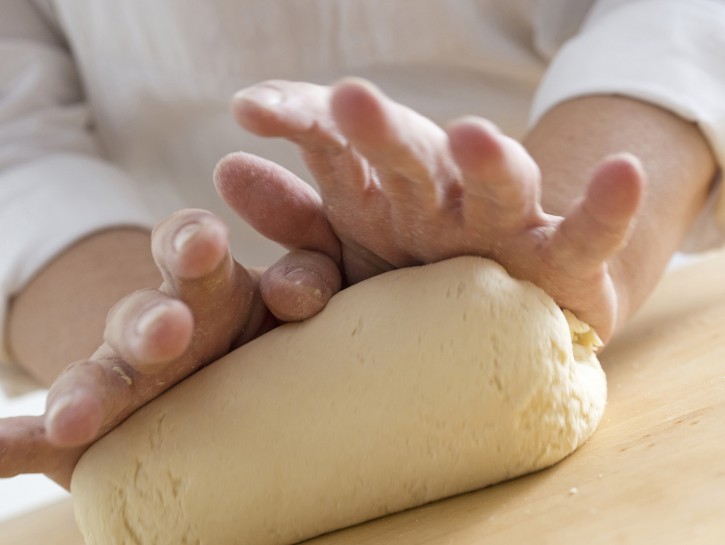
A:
x,y
412,386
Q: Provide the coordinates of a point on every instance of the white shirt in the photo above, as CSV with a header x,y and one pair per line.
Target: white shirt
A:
x,y
115,113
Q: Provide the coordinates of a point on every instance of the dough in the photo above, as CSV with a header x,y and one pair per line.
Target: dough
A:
x,y
409,387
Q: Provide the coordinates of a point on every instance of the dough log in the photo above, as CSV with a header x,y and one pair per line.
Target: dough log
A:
x,y
412,386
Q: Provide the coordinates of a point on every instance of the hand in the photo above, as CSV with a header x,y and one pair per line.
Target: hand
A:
x,y
208,305
397,190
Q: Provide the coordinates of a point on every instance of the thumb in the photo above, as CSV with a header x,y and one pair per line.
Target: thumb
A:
x,y
300,284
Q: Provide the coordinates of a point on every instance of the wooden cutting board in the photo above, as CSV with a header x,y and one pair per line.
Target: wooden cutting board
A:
x,y
654,472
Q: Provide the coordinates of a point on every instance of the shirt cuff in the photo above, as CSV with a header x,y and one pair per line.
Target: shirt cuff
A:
x,y
48,204
664,52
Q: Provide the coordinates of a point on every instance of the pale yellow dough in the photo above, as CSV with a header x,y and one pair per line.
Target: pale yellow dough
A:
x,y
409,387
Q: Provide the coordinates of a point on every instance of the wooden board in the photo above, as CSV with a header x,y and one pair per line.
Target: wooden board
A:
x,y
653,473
51,525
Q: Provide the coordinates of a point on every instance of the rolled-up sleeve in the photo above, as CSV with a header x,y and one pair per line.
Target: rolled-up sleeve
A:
x,y
670,53
55,186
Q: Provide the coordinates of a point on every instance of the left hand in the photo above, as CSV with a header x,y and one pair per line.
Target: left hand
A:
x,y
207,305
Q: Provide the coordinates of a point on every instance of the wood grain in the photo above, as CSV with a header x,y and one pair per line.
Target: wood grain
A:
x,y
654,472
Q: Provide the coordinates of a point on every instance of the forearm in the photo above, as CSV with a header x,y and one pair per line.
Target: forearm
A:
x,y
571,139
60,315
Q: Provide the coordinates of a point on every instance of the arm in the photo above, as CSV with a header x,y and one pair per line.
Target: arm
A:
x,y
663,55
50,327
55,189
572,138
79,239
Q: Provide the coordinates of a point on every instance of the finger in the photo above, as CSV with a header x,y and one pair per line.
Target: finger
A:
x,y
192,252
408,150
501,181
24,447
276,203
87,397
190,244
300,284
191,248
300,112
297,111
597,226
148,328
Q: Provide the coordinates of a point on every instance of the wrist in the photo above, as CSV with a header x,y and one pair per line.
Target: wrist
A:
x,y
573,138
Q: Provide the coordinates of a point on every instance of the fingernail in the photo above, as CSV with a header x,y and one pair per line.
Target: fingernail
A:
x,y
310,280
73,420
266,97
184,234
60,405
149,317
297,276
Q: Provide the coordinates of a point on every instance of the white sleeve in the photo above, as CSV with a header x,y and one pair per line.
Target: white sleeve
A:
x,y
55,186
667,52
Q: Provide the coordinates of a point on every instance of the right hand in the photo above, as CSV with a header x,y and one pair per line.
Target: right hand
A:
x,y
398,190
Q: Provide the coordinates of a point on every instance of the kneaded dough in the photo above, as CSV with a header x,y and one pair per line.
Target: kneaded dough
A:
x,y
412,386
